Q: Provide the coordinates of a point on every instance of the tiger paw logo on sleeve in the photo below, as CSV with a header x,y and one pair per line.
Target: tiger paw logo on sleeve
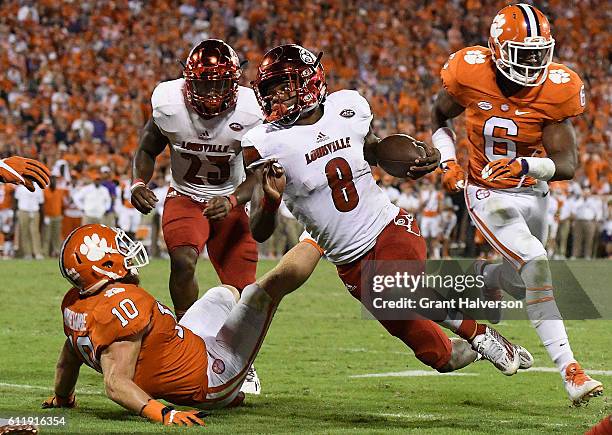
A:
x,y
474,56
558,76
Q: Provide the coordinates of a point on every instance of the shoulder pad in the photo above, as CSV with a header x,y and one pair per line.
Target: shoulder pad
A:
x,y
349,100
167,98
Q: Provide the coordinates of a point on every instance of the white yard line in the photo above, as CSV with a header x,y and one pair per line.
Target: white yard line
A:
x,y
410,374
41,388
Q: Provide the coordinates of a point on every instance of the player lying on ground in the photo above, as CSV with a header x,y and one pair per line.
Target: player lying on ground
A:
x,y
20,170
322,143
117,328
518,106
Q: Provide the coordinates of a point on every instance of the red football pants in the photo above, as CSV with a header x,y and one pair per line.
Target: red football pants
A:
x,y
231,247
429,343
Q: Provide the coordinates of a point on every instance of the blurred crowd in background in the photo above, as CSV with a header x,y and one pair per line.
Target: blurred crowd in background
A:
x,y
76,80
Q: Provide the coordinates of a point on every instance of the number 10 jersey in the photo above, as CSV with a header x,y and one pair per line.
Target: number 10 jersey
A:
x,y
205,153
330,189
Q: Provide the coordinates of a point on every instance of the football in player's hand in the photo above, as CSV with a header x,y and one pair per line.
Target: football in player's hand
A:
x,y
397,153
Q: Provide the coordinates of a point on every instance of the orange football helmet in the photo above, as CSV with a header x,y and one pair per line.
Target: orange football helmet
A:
x,y
521,44
94,255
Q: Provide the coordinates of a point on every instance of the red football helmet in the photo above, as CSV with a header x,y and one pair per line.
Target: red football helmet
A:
x,y
211,77
94,255
290,82
521,44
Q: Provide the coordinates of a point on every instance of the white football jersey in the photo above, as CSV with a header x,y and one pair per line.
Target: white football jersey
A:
x,y
205,153
330,189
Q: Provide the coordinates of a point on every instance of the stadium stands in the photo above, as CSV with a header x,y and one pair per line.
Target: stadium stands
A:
x,y
76,80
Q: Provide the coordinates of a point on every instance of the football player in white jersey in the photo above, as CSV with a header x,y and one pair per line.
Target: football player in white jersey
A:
x,y
202,118
323,145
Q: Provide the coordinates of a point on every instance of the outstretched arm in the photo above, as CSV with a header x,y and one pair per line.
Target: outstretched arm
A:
x,y
292,271
118,366
66,375
152,143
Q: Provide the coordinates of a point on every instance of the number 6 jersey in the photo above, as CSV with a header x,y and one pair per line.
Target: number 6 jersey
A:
x,y
205,159
330,189
172,362
507,127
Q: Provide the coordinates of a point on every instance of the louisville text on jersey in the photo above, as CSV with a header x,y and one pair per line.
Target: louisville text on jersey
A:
x,y
326,149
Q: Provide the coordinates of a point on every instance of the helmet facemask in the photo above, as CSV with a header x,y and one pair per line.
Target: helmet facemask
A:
x,y
279,97
211,96
211,74
514,59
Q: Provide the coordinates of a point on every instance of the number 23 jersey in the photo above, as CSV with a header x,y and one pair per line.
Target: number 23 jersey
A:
x,y
172,362
330,189
205,153
506,127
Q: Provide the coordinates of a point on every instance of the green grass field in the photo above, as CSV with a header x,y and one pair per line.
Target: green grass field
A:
x,y
316,346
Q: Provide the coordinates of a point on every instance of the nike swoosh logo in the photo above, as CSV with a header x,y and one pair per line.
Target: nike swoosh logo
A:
x,y
519,112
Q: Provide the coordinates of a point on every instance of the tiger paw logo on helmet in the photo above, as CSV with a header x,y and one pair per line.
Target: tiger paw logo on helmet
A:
x,y
94,248
497,27
558,76
474,56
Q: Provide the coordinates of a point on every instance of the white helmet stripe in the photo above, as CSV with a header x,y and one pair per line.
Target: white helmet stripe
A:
x,y
531,19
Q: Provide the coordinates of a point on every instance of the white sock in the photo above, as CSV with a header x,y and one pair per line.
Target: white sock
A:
x,y
544,314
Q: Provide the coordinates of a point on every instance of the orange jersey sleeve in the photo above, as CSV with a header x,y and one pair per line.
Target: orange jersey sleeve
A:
x,y
460,73
563,94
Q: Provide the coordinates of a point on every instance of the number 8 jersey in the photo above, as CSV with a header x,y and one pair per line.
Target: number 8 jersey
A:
x,y
205,153
507,127
330,189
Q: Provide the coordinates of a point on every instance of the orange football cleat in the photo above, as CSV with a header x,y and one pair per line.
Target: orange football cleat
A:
x,y
579,386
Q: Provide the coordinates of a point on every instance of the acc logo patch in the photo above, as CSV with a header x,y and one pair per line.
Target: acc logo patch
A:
x,y
347,113
218,366
485,105
236,127
482,194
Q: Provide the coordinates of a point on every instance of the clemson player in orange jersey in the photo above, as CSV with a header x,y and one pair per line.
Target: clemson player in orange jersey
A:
x,y
518,105
117,328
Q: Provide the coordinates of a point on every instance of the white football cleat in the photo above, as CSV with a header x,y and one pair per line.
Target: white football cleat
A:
x,y
580,387
493,315
525,358
499,351
251,384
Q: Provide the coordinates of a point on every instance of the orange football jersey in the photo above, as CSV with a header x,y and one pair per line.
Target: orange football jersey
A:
x,y
507,127
172,362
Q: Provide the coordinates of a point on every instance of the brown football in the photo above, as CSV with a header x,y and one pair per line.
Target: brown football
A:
x,y
397,153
